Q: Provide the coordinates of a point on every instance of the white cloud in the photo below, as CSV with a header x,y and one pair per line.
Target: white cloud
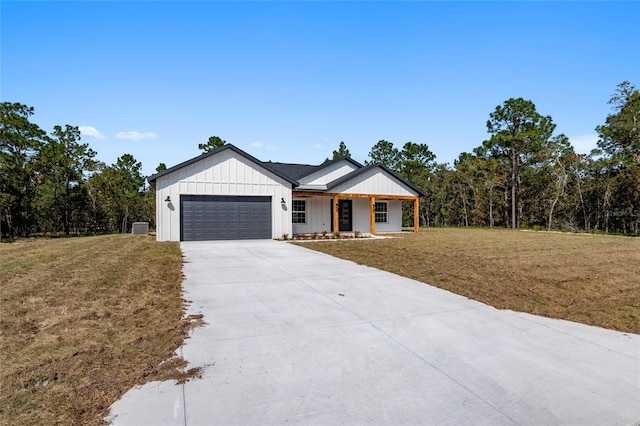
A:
x,y
583,144
91,131
262,145
321,145
136,136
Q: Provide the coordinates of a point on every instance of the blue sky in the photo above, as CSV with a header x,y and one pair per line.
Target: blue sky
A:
x,y
287,81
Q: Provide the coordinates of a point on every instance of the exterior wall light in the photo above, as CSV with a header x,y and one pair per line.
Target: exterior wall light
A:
x,y
168,199
282,201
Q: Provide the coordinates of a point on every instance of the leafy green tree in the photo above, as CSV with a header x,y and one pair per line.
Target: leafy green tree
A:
x,y
415,162
560,155
518,134
98,221
342,151
440,202
161,167
385,153
131,184
619,142
599,190
620,135
494,177
579,178
213,143
66,160
20,143
469,182
119,195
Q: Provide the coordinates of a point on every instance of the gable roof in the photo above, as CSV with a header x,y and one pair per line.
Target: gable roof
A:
x,y
299,171
291,172
335,160
267,166
364,169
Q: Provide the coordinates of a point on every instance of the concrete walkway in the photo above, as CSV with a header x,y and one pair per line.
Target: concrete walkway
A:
x,y
298,337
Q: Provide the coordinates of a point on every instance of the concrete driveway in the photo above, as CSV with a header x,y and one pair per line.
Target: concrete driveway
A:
x,y
298,337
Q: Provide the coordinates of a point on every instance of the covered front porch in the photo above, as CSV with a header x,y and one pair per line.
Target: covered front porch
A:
x,y
349,212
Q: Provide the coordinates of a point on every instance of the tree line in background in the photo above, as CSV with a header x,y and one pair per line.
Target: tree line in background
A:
x,y
51,184
522,176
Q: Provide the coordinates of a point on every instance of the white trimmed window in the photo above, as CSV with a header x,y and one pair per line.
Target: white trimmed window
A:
x,y
380,211
299,212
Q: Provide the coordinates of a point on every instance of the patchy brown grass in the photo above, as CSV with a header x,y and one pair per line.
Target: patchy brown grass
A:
x,y
592,279
82,320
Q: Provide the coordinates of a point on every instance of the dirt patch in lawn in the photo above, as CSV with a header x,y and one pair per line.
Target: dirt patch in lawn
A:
x,y
83,320
592,279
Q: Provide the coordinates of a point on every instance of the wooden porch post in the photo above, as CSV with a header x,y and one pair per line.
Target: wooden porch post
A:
x,y
372,215
416,215
334,206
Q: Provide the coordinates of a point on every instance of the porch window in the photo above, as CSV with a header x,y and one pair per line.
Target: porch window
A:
x,y
381,212
299,211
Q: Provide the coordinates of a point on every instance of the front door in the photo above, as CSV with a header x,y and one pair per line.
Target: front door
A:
x,y
345,218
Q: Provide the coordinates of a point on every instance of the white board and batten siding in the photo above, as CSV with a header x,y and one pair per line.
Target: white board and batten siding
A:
x,y
374,181
361,216
226,173
328,174
318,215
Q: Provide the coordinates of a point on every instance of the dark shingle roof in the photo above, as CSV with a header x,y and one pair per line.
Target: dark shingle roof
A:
x,y
295,171
298,171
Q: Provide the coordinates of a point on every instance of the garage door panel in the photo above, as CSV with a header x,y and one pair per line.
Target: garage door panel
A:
x,y
205,217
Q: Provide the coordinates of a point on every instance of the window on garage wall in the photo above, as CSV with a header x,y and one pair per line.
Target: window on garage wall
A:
x,y
381,212
299,211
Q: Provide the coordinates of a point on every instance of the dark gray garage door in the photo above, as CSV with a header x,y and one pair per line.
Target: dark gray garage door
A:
x,y
208,217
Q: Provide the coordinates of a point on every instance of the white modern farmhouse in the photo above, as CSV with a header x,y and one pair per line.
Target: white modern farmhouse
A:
x,y
227,194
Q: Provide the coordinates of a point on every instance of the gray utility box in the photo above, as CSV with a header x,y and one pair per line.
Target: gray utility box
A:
x,y
140,228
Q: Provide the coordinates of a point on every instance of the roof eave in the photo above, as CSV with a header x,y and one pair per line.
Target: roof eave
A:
x,y
330,162
355,173
235,149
